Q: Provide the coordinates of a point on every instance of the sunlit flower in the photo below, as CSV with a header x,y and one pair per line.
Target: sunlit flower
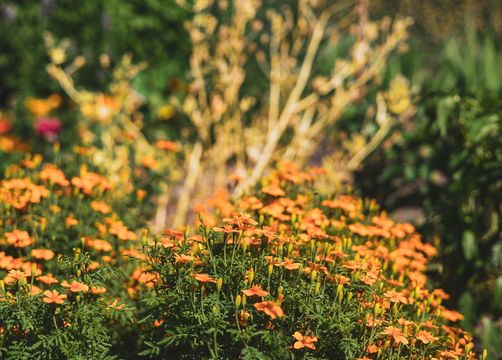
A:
x,y
204,278
304,341
396,334
270,308
48,279
255,290
75,286
53,297
18,238
42,254
425,337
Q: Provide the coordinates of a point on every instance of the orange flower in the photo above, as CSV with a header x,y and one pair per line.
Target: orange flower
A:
x,y
255,290
270,308
70,221
289,264
451,315
75,286
166,145
15,275
204,278
54,175
396,297
18,238
99,245
44,254
149,162
53,297
396,334
304,341
89,180
100,206
425,337
48,279
372,349
96,290
183,259
273,190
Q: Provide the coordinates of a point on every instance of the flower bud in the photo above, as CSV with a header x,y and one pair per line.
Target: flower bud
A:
x,y
251,275
349,296
244,300
33,269
313,276
2,285
290,248
270,269
187,231
317,288
280,290
485,354
238,301
219,284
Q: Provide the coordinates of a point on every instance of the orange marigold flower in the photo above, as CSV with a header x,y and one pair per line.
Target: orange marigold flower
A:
x,y
396,297
227,229
396,334
54,175
44,254
183,259
48,279
451,315
270,308
289,264
53,297
15,275
425,337
158,323
99,245
100,206
371,349
75,286
70,221
96,290
18,238
273,190
204,278
255,290
166,145
304,341
149,162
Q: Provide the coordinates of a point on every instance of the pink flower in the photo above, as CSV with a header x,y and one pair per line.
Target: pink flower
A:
x,y
48,128
4,126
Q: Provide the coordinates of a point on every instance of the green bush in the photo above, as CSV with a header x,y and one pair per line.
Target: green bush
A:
x,y
151,30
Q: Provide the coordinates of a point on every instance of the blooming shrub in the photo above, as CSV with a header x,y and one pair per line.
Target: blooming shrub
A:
x,y
289,273
61,249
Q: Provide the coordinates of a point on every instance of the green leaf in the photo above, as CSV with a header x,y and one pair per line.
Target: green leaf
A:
x,y
444,108
497,293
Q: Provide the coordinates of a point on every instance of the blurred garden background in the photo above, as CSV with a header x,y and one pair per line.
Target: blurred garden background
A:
x,y
397,100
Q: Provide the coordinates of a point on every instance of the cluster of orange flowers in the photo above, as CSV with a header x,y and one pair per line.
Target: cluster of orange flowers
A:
x,y
32,200
343,242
